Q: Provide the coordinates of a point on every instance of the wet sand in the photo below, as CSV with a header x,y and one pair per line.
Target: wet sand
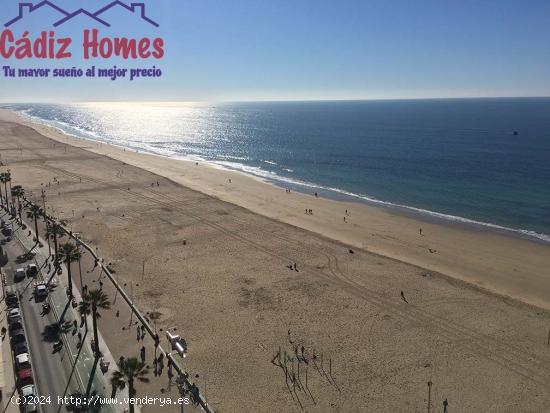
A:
x,y
230,294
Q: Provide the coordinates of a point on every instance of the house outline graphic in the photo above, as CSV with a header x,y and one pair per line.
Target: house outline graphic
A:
x,y
28,8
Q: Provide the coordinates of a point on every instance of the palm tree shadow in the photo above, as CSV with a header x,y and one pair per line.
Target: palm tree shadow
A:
x,y
73,367
51,333
91,377
62,317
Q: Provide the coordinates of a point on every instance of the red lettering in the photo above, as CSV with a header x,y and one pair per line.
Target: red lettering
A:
x,y
125,48
39,47
5,38
63,46
120,47
90,43
105,48
158,45
144,45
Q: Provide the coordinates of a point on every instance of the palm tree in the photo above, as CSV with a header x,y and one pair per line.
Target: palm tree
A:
x,y
117,381
96,300
84,310
35,212
129,370
55,231
18,192
7,180
4,178
1,195
69,253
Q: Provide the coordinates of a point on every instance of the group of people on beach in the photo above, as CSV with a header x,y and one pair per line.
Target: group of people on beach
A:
x,y
140,333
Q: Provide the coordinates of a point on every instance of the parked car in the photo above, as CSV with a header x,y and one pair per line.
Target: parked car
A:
x,y
24,377
20,348
22,361
19,275
11,299
32,270
14,316
28,391
18,336
30,408
15,326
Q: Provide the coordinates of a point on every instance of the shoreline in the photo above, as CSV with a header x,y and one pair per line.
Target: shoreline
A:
x,y
309,188
222,276
449,248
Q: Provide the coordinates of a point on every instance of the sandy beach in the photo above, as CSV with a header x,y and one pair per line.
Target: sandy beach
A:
x,y
216,245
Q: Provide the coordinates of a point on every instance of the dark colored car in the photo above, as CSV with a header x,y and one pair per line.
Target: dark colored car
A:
x,y
18,337
32,270
20,348
15,327
11,300
19,275
14,315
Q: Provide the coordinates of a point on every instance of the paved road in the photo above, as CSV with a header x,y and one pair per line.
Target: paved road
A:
x,y
55,372
51,376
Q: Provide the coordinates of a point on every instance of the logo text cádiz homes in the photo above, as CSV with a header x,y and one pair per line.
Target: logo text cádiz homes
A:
x,y
19,43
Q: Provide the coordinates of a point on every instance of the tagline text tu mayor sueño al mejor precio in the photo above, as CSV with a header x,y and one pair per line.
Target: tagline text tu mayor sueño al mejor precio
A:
x,y
112,73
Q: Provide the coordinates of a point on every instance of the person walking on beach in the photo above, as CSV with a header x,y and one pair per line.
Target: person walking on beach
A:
x,y
403,297
445,405
420,231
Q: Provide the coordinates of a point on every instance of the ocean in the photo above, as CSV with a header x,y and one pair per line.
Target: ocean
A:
x,y
479,161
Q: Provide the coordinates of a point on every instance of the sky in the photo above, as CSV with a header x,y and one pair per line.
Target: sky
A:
x,y
303,50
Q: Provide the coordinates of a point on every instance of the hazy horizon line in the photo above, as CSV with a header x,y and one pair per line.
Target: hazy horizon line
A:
x,y
46,101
